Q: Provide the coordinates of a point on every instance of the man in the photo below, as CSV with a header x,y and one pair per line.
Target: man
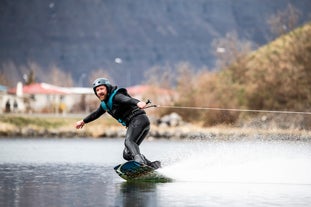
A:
x,y
129,112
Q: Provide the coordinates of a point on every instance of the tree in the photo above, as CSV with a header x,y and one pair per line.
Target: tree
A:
x,y
284,21
31,71
163,77
10,74
3,79
230,49
99,73
58,77
30,77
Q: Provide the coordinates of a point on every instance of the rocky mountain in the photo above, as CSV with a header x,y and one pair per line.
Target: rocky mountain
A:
x,y
127,37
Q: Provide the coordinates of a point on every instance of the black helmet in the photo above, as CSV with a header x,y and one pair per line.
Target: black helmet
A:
x,y
99,82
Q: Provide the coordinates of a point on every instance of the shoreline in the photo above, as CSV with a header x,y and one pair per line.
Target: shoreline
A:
x,y
13,126
219,133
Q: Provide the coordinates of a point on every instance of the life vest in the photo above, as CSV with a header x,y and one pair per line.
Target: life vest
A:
x,y
108,106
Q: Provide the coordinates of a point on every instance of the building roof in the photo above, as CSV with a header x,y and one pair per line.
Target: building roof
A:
x,y
45,88
40,88
79,90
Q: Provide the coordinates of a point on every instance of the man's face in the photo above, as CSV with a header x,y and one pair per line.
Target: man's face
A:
x,y
101,92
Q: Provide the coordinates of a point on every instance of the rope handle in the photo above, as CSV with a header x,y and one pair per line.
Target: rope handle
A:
x,y
149,105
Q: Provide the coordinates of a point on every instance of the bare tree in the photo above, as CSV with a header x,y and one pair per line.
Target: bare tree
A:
x,y
162,77
3,78
58,77
284,21
99,73
10,74
230,49
31,71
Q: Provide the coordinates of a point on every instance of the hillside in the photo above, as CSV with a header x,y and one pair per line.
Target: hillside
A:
x,y
279,74
79,36
276,77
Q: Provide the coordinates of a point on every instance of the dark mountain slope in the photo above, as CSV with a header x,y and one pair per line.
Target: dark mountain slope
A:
x,y
83,35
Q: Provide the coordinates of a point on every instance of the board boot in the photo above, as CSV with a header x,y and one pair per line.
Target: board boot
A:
x,y
142,159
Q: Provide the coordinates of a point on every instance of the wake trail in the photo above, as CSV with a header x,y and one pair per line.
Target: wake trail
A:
x,y
242,162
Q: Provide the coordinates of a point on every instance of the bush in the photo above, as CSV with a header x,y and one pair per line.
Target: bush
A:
x,y
275,77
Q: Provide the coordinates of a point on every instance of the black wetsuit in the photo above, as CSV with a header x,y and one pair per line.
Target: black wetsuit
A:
x,y
125,108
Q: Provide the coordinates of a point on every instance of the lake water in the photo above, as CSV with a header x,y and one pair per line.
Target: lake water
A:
x,y
79,172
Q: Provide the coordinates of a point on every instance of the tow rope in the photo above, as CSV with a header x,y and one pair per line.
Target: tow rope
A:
x,y
226,109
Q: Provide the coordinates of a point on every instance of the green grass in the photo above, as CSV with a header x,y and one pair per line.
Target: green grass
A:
x,y
51,121
21,121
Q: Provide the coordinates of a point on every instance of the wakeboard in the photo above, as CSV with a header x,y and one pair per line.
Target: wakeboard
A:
x,y
135,171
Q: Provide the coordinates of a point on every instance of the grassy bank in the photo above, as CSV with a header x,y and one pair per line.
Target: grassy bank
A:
x,y
45,125
38,126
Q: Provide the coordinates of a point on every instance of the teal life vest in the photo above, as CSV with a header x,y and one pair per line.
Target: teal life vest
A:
x,y
108,106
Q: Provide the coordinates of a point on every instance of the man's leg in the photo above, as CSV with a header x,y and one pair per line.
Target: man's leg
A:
x,y
136,132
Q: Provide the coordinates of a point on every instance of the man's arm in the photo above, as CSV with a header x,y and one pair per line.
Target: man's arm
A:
x,y
121,98
91,117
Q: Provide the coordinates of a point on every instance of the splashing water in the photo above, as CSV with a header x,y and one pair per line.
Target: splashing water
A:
x,y
243,162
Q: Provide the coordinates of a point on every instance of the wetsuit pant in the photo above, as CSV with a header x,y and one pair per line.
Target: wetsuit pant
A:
x,y
137,130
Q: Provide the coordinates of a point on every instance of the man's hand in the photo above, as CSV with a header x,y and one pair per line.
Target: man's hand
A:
x,y
79,124
141,104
